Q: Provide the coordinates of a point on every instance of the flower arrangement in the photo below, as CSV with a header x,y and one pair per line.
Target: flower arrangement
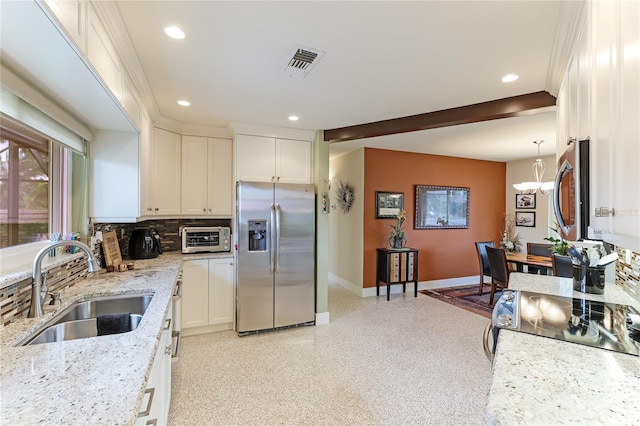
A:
x,y
397,237
511,241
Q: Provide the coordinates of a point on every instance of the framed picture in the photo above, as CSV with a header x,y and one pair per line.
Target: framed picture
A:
x,y
388,204
525,201
527,219
441,207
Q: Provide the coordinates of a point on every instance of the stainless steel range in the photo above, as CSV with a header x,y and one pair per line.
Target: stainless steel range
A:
x,y
587,322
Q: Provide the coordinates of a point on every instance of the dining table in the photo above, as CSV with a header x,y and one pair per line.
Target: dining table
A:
x,y
522,259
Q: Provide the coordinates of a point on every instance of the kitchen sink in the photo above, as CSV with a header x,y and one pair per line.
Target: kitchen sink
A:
x,y
91,317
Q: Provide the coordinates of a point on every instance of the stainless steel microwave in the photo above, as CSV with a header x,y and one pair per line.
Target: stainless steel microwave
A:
x,y
198,239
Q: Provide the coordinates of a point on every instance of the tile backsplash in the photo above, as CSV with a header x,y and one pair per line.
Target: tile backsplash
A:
x,y
628,274
168,229
16,298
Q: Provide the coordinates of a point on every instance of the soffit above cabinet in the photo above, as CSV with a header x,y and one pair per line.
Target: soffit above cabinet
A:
x,y
34,48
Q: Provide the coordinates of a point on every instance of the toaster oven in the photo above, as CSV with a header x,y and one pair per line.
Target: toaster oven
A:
x,y
198,239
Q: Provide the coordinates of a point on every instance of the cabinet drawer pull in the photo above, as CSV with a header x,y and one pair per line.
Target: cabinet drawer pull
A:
x,y
168,320
151,392
152,422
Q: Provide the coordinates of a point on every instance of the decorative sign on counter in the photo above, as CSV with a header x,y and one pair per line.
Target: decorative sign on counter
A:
x,y
111,249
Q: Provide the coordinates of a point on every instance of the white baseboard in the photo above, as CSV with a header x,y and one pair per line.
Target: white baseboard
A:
x,y
322,318
396,288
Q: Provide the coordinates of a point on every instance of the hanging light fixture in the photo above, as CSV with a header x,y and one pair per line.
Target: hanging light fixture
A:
x,y
538,173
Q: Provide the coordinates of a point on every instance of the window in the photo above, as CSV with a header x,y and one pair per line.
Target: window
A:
x,y
34,183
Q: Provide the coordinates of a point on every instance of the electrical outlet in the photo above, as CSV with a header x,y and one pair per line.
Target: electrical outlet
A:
x,y
627,256
98,235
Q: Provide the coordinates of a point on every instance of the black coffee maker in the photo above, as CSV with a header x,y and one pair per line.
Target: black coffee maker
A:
x,y
144,244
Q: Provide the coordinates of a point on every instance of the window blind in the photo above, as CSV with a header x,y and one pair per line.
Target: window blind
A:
x,y
15,108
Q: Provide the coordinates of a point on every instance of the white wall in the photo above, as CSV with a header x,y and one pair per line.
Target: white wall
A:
x,y
520,171
345,230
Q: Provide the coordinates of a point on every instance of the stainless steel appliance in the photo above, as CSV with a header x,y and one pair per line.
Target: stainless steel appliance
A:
x,y
144,244
198,239
599,324
571,190
275,283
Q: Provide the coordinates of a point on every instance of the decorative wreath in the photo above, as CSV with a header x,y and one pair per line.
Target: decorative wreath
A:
x,y
345,196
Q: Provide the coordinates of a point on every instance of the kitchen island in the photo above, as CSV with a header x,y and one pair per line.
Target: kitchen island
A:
x,y
538,380
96,380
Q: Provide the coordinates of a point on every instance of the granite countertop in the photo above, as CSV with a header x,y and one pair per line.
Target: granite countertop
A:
x,y
539,380
96,380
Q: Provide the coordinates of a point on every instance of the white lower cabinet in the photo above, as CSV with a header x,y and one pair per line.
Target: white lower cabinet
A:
x,y
207,294
154,409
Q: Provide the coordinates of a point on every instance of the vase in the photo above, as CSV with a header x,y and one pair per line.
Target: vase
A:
x,y
397,242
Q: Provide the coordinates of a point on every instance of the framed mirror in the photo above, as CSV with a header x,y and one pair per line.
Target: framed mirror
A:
x,y
441,207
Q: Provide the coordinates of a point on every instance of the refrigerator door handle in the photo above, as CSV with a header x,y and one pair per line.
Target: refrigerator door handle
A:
x,y
272,239
277,237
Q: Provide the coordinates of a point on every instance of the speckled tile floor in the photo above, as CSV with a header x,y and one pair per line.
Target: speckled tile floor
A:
x,y
407,361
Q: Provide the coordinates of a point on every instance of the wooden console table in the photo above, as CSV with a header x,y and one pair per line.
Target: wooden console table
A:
x,y
395,266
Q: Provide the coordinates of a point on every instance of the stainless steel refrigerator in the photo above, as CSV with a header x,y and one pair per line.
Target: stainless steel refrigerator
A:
x,y
275,274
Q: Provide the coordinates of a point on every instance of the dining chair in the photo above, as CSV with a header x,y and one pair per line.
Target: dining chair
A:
x,y
483,261
538,249
562,266
499,270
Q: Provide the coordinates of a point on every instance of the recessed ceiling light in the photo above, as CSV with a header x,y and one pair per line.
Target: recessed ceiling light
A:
x,y
174,32
293,118
509,78
184,103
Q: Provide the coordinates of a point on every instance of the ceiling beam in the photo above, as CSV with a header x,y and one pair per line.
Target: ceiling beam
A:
x,y
515,106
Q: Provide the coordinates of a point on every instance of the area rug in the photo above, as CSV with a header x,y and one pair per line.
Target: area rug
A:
x,y
466,297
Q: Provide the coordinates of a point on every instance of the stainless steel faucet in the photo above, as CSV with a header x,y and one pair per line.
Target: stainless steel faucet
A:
x,y
39,283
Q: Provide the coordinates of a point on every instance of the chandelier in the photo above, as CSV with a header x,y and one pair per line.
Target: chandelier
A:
x,y
538,173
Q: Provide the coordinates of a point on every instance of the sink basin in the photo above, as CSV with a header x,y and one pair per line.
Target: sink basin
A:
x,y
96,316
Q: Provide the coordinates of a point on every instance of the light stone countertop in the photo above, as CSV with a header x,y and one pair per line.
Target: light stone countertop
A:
x,y
98,380
539,380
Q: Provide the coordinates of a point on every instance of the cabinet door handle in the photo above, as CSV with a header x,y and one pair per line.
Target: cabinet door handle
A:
x,y
204,210
149,209
168,320
156,209
152,422
485,342
151,392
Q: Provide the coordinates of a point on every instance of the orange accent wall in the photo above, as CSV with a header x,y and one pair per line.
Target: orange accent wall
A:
x,y
444,253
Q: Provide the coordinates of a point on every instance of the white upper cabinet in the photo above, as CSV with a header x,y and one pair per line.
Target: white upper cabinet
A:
x,y
207,176
626,118
165,163
103,55
71,14
113,168
145,167
268,159
255,158
606,107
293,161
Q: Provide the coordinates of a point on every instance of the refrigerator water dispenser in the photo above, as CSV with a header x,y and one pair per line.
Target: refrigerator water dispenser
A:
x,y
257,235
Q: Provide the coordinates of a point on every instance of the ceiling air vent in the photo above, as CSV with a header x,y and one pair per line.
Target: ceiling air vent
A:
x,y
300,61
